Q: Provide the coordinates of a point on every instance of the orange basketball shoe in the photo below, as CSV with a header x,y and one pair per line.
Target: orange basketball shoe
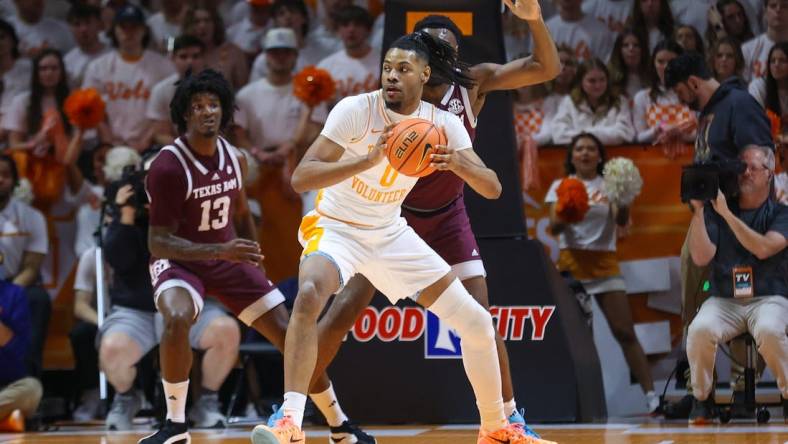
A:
x,y
511,434
14,422
283,432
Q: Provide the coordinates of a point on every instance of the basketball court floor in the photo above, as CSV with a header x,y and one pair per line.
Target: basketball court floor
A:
x,y
652,432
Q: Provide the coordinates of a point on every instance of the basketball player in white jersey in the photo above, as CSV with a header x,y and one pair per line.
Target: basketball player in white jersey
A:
x,y
356,227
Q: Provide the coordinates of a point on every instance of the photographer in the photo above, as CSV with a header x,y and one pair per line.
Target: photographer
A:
x,y
133,328
745,248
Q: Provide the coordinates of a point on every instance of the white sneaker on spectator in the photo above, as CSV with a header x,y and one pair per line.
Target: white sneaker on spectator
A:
x,y
206,413
124,408
88,408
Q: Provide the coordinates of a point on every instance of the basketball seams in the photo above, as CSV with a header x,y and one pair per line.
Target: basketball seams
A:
x,y
402,132
416,143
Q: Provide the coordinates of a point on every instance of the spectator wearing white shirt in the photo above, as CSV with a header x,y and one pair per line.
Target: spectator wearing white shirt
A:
x,y
248,33
726,59
654,19
293,14
583,33
690,39
592,107
562,85
124,77
771,90
696,12
614,14
89,213
36,121
15,70
85,23
533,115
270,121
165,25
188,56
37,32
204,22
23,245
356,68
658,115
326,29
756,51
629,64
728,18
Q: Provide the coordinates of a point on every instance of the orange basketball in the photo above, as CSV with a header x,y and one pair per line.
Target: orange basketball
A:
x,y
411,144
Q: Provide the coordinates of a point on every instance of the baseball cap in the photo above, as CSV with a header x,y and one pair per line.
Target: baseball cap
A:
x,y
129,14
280,38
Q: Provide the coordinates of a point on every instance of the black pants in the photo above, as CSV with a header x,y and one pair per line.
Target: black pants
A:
x,y
40,311
83,344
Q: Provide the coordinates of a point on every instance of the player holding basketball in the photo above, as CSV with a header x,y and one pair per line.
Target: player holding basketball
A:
x,y
349,232
436,208
201,240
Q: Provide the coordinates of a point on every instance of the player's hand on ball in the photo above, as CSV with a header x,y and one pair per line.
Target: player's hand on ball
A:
x,y
444,158
378,152
525,9
241,250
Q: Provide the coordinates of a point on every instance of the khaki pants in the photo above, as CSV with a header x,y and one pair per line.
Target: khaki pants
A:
x,y
692,279
722,319
24,394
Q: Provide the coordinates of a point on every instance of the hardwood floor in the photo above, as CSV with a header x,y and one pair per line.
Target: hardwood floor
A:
x,y
650,433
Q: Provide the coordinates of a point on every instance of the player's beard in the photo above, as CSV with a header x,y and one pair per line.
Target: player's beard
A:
x,y
395,106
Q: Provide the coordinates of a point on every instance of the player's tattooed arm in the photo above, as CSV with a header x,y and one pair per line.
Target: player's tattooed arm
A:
x,y
321,166
164,244
541,66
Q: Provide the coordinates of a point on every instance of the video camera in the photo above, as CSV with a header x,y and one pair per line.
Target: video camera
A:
x,y
135,178
700,181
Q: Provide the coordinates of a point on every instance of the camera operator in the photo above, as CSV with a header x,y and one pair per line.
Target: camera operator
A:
x,y
132,328
745,247
730,119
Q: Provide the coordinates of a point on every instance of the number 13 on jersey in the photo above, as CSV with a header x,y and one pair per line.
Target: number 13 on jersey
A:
x,y
219,207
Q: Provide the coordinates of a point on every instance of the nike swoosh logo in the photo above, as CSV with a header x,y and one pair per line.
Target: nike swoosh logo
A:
x,y
498,440
427,148
301,440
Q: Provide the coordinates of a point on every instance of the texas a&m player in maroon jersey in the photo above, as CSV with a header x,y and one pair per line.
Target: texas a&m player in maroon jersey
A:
x,y
201,240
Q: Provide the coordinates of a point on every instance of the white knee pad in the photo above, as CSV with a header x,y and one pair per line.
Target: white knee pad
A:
x,y
457,308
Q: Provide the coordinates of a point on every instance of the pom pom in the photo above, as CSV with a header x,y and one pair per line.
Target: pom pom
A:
x,y
24,191
572,204
313,86
775,122
84,108
622,181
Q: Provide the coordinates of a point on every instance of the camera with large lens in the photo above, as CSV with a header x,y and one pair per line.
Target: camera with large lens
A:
x,y
700,181
135,178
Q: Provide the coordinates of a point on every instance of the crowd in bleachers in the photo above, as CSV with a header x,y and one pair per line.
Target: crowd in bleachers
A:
x,y
612,85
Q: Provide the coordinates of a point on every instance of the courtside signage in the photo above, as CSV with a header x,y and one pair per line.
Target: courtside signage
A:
x,y
408,324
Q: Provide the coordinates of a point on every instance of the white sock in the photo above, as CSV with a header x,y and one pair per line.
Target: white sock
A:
x,y
175,393
509,407
473,323
294,407
328,405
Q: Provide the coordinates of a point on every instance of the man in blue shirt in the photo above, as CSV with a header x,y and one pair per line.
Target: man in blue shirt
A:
x,y
745,248
19,394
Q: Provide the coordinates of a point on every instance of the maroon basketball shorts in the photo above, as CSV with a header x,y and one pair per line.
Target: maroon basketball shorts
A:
x,y
242,288
448,231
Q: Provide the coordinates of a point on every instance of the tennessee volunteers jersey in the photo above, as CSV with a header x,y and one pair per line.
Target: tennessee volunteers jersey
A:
x,y
373,198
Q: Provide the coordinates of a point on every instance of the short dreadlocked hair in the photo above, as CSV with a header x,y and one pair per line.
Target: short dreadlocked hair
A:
x,y
438,22
207,81
441,57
